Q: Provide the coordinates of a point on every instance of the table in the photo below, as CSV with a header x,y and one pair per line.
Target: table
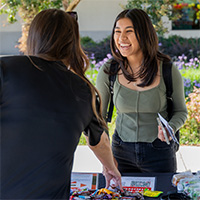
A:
x,y
163,181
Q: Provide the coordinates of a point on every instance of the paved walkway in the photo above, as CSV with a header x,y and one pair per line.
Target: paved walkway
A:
x,y
188,158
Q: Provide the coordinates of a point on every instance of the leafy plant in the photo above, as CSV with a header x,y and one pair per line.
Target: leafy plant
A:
x,y
190,132
99,49
175,46
87,42
27,10
156,10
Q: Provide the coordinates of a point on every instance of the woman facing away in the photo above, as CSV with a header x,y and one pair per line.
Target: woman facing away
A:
x,y
138,143
46,103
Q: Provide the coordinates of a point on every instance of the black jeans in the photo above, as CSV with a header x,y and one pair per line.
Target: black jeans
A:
x,y
133,157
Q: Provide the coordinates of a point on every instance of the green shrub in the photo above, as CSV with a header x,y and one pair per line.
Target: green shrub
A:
x,y
175,46
97,49
87,42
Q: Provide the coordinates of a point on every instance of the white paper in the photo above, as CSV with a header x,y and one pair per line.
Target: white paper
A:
x,y
84,180
169,128
137,184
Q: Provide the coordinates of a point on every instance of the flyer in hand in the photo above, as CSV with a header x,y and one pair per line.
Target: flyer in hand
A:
x,y
169,128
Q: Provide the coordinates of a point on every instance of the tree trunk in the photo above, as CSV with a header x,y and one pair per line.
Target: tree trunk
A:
x,y
71,5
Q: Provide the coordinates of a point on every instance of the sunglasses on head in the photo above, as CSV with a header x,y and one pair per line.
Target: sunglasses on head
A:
x,y
73,14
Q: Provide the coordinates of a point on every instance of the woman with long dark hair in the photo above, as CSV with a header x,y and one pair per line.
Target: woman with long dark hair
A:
x,y
139,95
46,103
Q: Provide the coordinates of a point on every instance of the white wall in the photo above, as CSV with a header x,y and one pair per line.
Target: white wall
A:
x,y
96,17
9,35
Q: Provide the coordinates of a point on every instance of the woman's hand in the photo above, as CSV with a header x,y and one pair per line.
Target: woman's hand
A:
x,y
104,153
112,175
161,134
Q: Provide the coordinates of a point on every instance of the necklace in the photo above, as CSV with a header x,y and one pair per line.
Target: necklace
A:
x,y
135,84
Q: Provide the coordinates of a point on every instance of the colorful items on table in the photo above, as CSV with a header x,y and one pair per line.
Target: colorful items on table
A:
x,y
111,193
188,183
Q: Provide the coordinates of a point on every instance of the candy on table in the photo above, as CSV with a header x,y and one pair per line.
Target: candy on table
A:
x,y
103,193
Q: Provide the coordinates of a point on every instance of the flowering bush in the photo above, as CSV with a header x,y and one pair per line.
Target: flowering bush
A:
x,y
190,72
156,10
190,132
95,66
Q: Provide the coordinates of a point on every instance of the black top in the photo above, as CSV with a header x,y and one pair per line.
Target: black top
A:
x,y
43,113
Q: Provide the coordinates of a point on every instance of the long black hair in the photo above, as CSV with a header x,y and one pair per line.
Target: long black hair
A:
x,y
54,36
148,41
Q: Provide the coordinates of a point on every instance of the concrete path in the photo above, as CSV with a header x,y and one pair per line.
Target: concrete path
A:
x,y
188,158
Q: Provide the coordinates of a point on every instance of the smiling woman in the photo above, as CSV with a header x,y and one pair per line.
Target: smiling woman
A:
x,y
138,143
126,40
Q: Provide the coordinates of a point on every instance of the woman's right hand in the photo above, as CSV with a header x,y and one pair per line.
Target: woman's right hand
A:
x,y
104,153
114,175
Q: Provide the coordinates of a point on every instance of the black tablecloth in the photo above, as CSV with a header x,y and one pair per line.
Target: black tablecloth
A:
x,y
163,181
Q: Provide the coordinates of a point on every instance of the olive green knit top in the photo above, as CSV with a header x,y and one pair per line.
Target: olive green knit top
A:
x,y
137,110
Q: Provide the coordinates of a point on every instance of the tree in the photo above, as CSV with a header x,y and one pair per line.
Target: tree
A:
x,y
27,10
156,9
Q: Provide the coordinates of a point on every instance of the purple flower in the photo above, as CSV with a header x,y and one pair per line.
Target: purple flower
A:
x,y
179,64
191,60
180,57
197,85
97,65
105,60
93,62
109,56
92,56
101,63
187,83
187,92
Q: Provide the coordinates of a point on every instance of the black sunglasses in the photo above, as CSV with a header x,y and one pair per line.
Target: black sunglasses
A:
x,y
73,14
